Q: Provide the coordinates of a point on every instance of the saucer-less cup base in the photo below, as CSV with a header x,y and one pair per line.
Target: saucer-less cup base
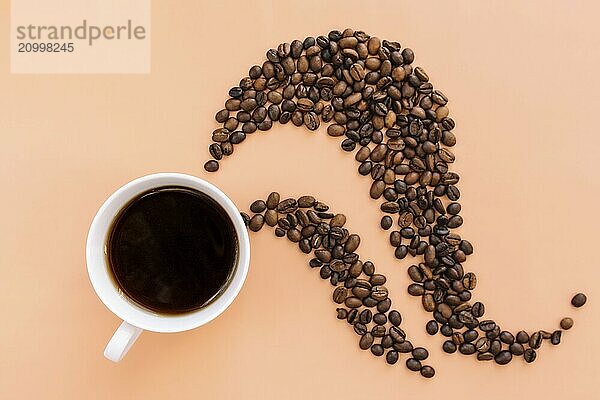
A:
x,y
136,318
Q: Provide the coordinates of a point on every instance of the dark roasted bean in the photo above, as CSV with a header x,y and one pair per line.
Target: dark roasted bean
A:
x,y
578,300
566,323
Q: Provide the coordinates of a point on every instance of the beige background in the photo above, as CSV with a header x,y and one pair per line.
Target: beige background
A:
x,y
524,88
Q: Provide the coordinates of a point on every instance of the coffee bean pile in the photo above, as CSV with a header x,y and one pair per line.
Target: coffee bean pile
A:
x,y
389,113
361,291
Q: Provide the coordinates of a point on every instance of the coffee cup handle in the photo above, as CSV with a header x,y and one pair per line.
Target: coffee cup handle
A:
x,y
122,340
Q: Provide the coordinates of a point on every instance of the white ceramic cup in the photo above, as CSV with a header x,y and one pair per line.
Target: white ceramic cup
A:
x,y
135,317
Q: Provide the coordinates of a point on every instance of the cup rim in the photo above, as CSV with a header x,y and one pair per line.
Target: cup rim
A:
x,y
112,296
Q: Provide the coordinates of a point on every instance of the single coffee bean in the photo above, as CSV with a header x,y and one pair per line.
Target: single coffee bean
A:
x,y
467,348
566,323
449,347
397,334
578,300
378,331
522,337
428,302
504,357
365,316
384,305
413,364
487,356
306,201
555,338
279,232
352,243
366,341
272,200
487,325
420,353
256,223
427,371
360,329
377,350
391,357
353,302
258,206
211,166
380,319
482,345
287,206
529,355
535,341
395,318
352,314
386,222
432,327
339,294
516,349
478,309
507,337
342,313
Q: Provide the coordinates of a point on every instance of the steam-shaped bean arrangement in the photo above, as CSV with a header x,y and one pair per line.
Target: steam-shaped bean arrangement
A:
x,y
399,125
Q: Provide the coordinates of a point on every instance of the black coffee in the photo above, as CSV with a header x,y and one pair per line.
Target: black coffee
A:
x,y
172,249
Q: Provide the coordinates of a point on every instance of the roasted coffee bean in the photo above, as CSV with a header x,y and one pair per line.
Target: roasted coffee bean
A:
x,y
415,289
516,349
360,329
384,305
507,337
378,331
352,316
366,341
449,346
387,342
467,348
428,302
352,243
386,222
522,337
482,345
529,355
478,309
504,357
395,318
470,335
413,364
578,300
535,341
432,327
256,223
287,206
211,166
342,313
353,302
427,371
397,334
377,350
279,232
391,357
555,338
258,206
380,319
419,353
487,325
566,323
365,317
339,294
